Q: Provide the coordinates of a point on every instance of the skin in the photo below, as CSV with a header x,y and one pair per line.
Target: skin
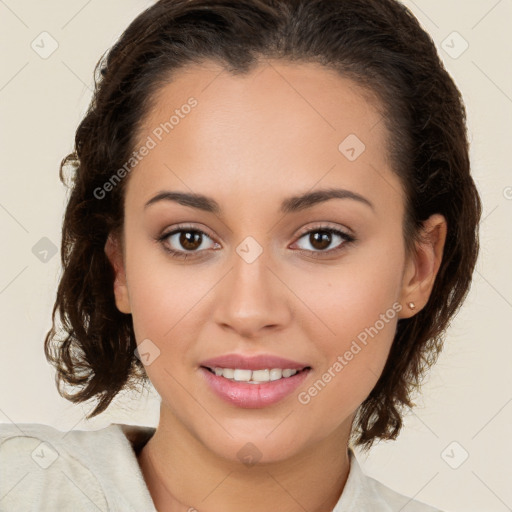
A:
x,y
251,142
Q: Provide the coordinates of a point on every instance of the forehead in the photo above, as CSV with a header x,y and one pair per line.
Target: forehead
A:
x,y
281,126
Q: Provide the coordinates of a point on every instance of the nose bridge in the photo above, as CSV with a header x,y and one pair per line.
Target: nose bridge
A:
x,y
252,297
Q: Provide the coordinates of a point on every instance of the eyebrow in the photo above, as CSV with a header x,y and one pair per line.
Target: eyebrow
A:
x,y
289,205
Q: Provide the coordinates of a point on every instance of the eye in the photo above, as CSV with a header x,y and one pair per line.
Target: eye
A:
x,y
187,241
321,237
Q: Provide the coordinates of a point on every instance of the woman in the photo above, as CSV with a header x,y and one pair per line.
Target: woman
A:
x,y
272,220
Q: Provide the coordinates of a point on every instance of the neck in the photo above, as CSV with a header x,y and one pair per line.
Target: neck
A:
x,y
183,475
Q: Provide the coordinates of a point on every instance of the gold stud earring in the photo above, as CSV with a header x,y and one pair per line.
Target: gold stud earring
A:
x,y
411,305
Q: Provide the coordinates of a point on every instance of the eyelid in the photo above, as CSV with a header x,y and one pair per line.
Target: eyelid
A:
x,y
184,227
319,225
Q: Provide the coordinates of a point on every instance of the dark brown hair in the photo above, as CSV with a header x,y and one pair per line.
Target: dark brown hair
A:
x,y
377,43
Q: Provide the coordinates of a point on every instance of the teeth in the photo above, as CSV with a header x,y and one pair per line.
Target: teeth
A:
x,y
228,373
261,375
276,373
253,376
243,375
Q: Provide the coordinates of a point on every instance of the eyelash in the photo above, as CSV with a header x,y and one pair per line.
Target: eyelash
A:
x,y
348,239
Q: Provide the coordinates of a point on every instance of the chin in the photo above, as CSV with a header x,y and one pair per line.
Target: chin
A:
x,y
265,443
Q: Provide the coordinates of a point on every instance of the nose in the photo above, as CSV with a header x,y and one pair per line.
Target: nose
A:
x,y
253,299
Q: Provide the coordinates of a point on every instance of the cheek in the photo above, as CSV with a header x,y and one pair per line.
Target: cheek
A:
x,y
357,315
171,303
164,307
159,296
351,364
165,311
352,297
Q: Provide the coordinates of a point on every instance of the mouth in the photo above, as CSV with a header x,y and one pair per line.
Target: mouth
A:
x,y
258,376
253,382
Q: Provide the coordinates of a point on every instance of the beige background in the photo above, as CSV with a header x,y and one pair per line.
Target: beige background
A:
x,y
468,397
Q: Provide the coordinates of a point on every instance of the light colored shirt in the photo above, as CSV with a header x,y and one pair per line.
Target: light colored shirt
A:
x,y
43,469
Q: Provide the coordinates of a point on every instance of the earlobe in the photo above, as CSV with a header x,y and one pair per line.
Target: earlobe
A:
x,y
422,267
114,254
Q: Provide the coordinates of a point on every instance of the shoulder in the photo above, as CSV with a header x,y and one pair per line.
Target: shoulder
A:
x,y
397,501
54,467
364,493
46,464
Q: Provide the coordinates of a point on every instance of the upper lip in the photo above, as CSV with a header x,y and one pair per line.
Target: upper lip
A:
x,y
258,362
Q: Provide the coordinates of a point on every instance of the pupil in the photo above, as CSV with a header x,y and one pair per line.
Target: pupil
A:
x,y
321,239
188,238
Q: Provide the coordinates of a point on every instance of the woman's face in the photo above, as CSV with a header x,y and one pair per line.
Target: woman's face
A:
x,y
266,279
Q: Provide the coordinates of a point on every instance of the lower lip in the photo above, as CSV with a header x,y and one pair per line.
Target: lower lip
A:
x,y
253,396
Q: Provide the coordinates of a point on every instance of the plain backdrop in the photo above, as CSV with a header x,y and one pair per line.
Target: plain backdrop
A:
x,y
455,449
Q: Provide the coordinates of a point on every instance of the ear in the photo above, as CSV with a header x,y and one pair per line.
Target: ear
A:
x,y
114,253
422,266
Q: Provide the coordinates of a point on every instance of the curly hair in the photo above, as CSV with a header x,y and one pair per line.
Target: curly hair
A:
x,y
378,44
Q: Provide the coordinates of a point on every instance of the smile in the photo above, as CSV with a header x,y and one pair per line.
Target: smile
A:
x,y
253,376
